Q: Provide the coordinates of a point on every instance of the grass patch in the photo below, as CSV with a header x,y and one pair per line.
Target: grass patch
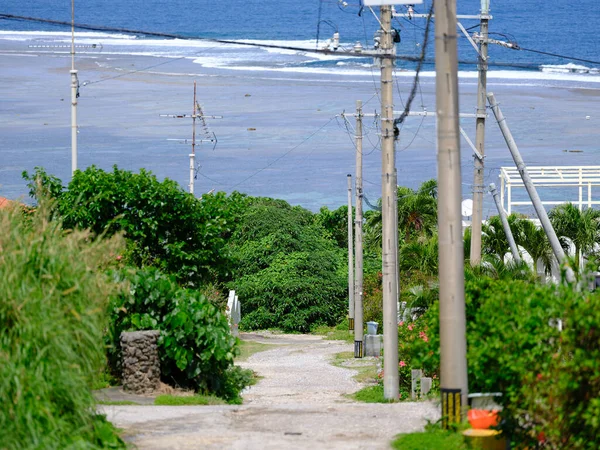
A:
x,y
366,368
370,394
338,333
249,348
116,402
173,400
433,438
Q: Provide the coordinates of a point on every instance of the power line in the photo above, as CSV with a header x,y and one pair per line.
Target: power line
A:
x,y
572,58
344,52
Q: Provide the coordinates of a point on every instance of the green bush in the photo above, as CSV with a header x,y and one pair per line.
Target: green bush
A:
x,y
562,402
549,379
196,347
288,273
165,226
53,298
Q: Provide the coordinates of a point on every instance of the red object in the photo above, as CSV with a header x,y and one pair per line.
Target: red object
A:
x,y
483,418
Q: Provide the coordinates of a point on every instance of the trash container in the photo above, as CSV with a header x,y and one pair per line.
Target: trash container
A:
x,y
372,327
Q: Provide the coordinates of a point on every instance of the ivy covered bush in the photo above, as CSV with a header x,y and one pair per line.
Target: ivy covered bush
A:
x,y
195,346
288,273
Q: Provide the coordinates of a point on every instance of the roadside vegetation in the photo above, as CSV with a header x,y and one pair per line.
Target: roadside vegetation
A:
x,y
174,257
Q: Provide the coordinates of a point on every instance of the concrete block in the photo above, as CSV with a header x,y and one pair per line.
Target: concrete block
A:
x,y
373,344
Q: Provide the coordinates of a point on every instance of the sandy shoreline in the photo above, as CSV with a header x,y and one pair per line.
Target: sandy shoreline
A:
x,y
293,114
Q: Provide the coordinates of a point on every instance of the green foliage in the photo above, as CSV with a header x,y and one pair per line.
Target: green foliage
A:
x,y
432,439
335,223
371,394
196,347
550,380
288,273
164,226
53,298
580,228
372,298
563,401
172,400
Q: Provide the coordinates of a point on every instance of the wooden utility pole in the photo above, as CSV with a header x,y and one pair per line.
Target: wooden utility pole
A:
x,y
453,342
478,187
358,236
389,212
74,93
350,256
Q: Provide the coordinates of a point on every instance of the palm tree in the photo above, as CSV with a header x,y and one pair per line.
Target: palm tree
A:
x,y
578,228
493,238
420,255
534,240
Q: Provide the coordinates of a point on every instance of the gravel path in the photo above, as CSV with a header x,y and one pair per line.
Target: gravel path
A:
x,y
298,404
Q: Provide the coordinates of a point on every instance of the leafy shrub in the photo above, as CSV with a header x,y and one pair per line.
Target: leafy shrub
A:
x,y
164,225
196,347
562,402
550,379
53,298
288,274
373,299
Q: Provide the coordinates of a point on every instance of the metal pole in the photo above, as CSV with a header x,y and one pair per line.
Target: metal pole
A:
x,y
480,137
509,236
453,343
388,213
74,89
193,154
350,254
358,237
533,195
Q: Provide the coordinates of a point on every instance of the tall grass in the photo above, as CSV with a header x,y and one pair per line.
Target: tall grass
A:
x,y
52,313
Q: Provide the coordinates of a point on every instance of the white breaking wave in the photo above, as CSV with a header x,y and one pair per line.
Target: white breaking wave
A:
x,y
212,55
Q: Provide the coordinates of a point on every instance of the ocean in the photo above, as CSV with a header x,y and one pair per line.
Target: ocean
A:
x,y
323,84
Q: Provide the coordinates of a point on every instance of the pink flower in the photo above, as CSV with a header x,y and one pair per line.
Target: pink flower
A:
x,y
426,339
402,364
410,326
400,323
423,336
119,258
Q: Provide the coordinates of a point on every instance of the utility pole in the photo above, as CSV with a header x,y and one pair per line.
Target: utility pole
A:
x,y
358,247
453,343
475,256
528,183
350,259
389,212
74,94
507,231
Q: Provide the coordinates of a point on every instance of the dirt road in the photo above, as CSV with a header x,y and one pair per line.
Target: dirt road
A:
x,y
298,404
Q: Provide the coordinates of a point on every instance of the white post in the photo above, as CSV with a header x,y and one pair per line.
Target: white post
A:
x,y
192,170
74,89
358,248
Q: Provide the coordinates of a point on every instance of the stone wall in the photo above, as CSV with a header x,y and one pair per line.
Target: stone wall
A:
x,y
141,365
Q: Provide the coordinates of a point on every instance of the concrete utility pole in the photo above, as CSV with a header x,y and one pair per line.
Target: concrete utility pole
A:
x,y
453,342
358,236
389,213
480,137
350,257
528,183
74,94
507,231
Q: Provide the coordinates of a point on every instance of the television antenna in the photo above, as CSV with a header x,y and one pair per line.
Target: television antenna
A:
x,y
205,136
